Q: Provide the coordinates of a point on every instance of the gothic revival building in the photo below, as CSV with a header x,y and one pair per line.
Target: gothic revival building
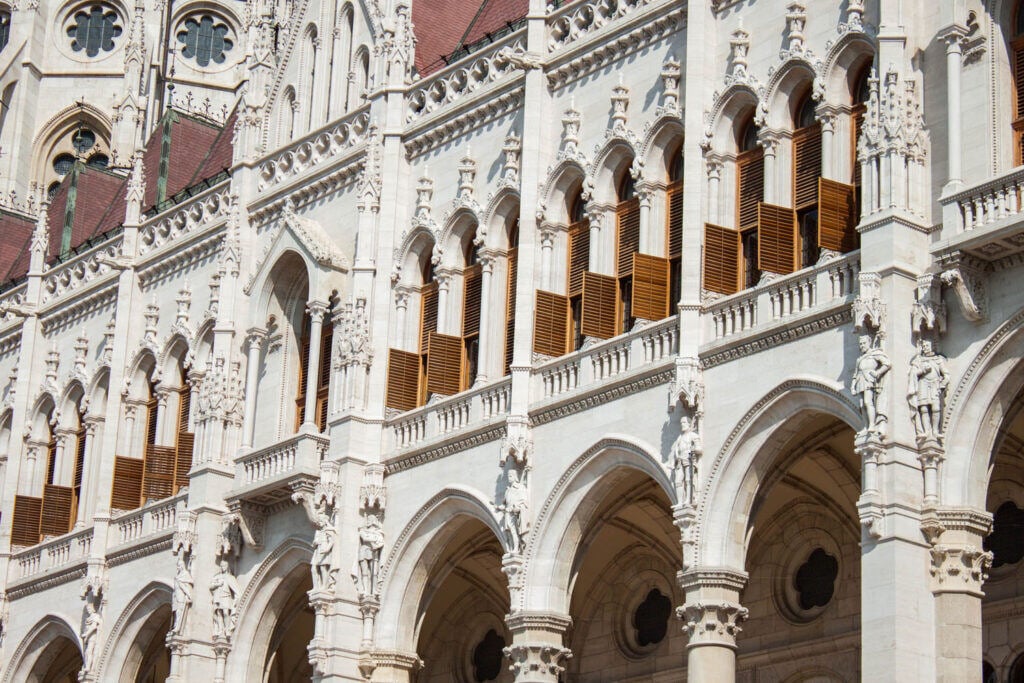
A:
x,y
506,340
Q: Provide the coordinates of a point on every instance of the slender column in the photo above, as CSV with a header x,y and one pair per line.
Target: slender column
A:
x,y
87,501
316,310
769,141
486,340
953,37
594,214
712,616
547,247
162,394
402,310
826,116
62,466
255,338
644,192
714,169
131,409
958,569
444,283
537,653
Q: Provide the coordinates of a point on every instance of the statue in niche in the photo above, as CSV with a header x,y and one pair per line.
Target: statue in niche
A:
x,y
371,545
871,368
926,387
224,591
324,540
515,507
686,452
181,600
90,635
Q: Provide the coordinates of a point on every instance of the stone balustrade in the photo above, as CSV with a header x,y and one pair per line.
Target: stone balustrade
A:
x,y
993,201
451,414
152,519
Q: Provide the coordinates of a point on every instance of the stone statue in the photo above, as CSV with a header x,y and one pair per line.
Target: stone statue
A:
x,y
371,545
224,591
323,550
871,368
181,600
90,635
926,387
686,452
515,509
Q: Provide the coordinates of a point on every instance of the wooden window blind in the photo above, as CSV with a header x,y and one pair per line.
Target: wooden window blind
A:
x,y
510,307
472,280
579,255
722,253
551,324
184,442
1018,110
158,472
55,518
126,491
428,313
444,364
837,216
151,415
51,460
26,520
750,187
776,239
303,372
857,113
79,472
675,219
600,306
403,383
627,222
650,287
323,378
806,166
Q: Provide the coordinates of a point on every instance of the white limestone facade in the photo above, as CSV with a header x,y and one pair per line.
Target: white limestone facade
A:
x,y
643,340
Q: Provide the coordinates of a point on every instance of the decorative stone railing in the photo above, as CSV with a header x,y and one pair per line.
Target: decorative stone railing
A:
x,y
451,414
53,553
314,149
984,204
645,345
266,476
783,297
188,217
463,77
75,273
150,520
575,20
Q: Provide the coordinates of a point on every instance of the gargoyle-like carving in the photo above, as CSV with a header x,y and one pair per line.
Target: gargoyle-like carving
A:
x,y
967,283
929,312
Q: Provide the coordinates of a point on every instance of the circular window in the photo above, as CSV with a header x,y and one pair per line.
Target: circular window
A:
x,y
205,39
815,580
487,657
83,140
807,585
650,619
93,29
63,163
100,161
51,191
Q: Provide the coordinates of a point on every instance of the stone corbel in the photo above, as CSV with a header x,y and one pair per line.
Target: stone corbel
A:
x,y
250,520
868,307
966,279
688,386
517,445
928,313
869,448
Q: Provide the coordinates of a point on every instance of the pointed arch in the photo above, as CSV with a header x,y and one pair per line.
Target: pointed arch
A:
x,y
462,222
32,649
845,59
500,207
418,546
562,181
617,156
418,244
120,657
729,112
789,80
664,135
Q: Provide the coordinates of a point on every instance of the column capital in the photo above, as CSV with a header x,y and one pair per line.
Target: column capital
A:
x,y
317,310
254,337
712,622
536,652
954,36
959,568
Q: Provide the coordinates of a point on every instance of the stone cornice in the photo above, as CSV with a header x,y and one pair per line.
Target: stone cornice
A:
x,y
482,108
484,433
628,383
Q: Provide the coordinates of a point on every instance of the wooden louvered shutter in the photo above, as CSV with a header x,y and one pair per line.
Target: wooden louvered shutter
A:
x,y
600,306
55,518
579,255
837,216
26,520
551,324
403,384
806,166
323,378
675,219
473,284
750,192
858,125
183,459
510,307
1018,84
184,407
627,220
428,313
650,287
444,364
79,473
776,239
126,491
158,472
300,394
51,460
721,259
151,415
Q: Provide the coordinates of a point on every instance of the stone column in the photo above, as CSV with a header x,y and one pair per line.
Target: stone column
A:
x,y
547,246
769,141
394,666
316,310
401,313
485,338
87,499
714,170
954,36
162,394
536,652
644,192
254,341
444,281
712,616
826,115
958,569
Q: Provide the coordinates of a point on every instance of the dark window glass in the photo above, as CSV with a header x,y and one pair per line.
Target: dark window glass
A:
x,y
805,114
751,273
626,187
1017,671
63,163
487,656
205,39
93,30
748,137
51,191
98,161
808,221
1020,19
83,140
816,579
5,29
651,618
1007,538
988,673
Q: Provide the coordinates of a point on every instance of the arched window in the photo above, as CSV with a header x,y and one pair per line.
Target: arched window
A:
x,y
579,265
472,313
512,271
627,226
674,224
750,194
1017,62
806,172
323,371
288,113
5,28
860,96
408,381
309,77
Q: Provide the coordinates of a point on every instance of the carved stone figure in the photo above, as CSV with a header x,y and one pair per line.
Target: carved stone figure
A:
x,y
324,541
926,387
515,508
181,600
90,635
224,591
371,545
686,452
871,368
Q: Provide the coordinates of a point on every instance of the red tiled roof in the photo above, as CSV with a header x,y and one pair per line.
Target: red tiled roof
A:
x,y
17,232
220,154
443,26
